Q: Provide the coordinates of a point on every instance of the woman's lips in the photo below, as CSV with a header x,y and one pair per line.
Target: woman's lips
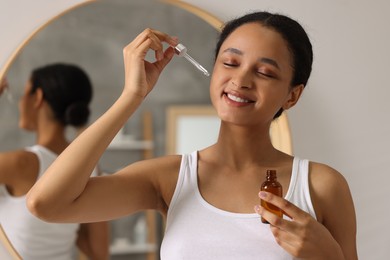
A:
x,y
237,99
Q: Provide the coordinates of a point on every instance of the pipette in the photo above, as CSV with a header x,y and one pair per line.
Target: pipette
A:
x,y
181,51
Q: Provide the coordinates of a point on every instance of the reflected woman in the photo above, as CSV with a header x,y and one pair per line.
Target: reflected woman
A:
x,y
55,96
262,64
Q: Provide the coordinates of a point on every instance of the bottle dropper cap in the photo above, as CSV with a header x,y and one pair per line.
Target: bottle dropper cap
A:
x,y
181,51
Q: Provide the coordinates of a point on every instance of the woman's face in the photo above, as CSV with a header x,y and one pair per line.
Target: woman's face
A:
x,y
28,113
252,75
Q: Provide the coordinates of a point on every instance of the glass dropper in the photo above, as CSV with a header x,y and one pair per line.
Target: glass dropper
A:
x,y
181,51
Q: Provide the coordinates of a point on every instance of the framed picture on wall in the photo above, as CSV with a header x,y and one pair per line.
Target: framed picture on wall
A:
x,y
191,128
194,127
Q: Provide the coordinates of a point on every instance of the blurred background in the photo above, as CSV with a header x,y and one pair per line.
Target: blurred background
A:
x,y
340,120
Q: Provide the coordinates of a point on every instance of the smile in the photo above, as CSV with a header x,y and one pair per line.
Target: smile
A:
x,y
238,99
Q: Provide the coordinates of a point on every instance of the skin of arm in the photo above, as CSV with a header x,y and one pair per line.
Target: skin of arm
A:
x,y
333,235
93,240
66,193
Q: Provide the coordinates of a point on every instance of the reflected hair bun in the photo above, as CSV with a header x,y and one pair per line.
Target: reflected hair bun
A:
x,y
77,114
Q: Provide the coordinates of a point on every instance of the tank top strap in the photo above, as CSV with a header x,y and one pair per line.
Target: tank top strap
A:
x,y
193,165
44,155
299,189
185,179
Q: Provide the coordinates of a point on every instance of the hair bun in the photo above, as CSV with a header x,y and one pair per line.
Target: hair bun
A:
x,y
77,114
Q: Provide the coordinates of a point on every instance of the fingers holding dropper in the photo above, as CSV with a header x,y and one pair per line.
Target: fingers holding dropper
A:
x,y
153,39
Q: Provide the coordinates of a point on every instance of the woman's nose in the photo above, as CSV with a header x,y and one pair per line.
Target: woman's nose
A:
x,y
242,80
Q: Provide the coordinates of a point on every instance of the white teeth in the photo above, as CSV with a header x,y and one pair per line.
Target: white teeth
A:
x,y
237,99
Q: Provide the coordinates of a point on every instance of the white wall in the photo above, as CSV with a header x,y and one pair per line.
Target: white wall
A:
x,y
342,118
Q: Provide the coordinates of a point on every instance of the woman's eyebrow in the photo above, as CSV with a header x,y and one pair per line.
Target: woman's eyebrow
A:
x,y
234,50
269,61
262,60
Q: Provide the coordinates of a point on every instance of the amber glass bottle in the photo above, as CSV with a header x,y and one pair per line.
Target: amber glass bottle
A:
x,y
273,186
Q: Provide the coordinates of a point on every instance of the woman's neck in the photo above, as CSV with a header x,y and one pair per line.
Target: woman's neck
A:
x,y
52,136
240,146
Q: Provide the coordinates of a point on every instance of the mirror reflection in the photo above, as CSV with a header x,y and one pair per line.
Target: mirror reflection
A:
x,y
93,36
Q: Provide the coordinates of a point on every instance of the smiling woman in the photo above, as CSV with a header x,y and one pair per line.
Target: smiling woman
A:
x,y
210,196
83,37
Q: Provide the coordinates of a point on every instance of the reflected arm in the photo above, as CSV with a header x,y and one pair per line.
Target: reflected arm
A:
x,y
93,240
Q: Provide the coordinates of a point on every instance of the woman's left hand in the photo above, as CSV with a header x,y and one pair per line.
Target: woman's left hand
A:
x,y
302,236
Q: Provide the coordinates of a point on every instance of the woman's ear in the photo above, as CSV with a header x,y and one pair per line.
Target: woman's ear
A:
x,y
293,96
38,98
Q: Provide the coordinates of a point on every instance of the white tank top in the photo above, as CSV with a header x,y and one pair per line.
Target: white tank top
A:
x,y
33,238
197,230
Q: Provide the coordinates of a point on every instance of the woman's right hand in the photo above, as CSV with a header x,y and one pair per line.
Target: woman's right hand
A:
x,y
141,75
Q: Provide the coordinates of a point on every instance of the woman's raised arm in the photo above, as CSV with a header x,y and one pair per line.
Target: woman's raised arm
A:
x,y
66,193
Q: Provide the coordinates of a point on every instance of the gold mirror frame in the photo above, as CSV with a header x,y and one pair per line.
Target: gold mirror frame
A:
x,y
7,251
280,129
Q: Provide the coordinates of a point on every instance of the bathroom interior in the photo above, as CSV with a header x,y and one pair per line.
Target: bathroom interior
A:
x,y
331,124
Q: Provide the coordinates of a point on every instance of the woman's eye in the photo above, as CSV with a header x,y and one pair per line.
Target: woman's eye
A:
x,y
268,75
230,64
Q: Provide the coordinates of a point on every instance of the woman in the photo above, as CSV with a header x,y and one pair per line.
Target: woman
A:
x,y
56,96
262,64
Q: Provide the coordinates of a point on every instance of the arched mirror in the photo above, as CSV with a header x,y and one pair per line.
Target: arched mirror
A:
x,y
93,36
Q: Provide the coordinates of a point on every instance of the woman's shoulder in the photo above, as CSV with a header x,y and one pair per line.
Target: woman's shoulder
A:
x,y
163,173
18,159
324,174
327,186
160,170
18,166
165,163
